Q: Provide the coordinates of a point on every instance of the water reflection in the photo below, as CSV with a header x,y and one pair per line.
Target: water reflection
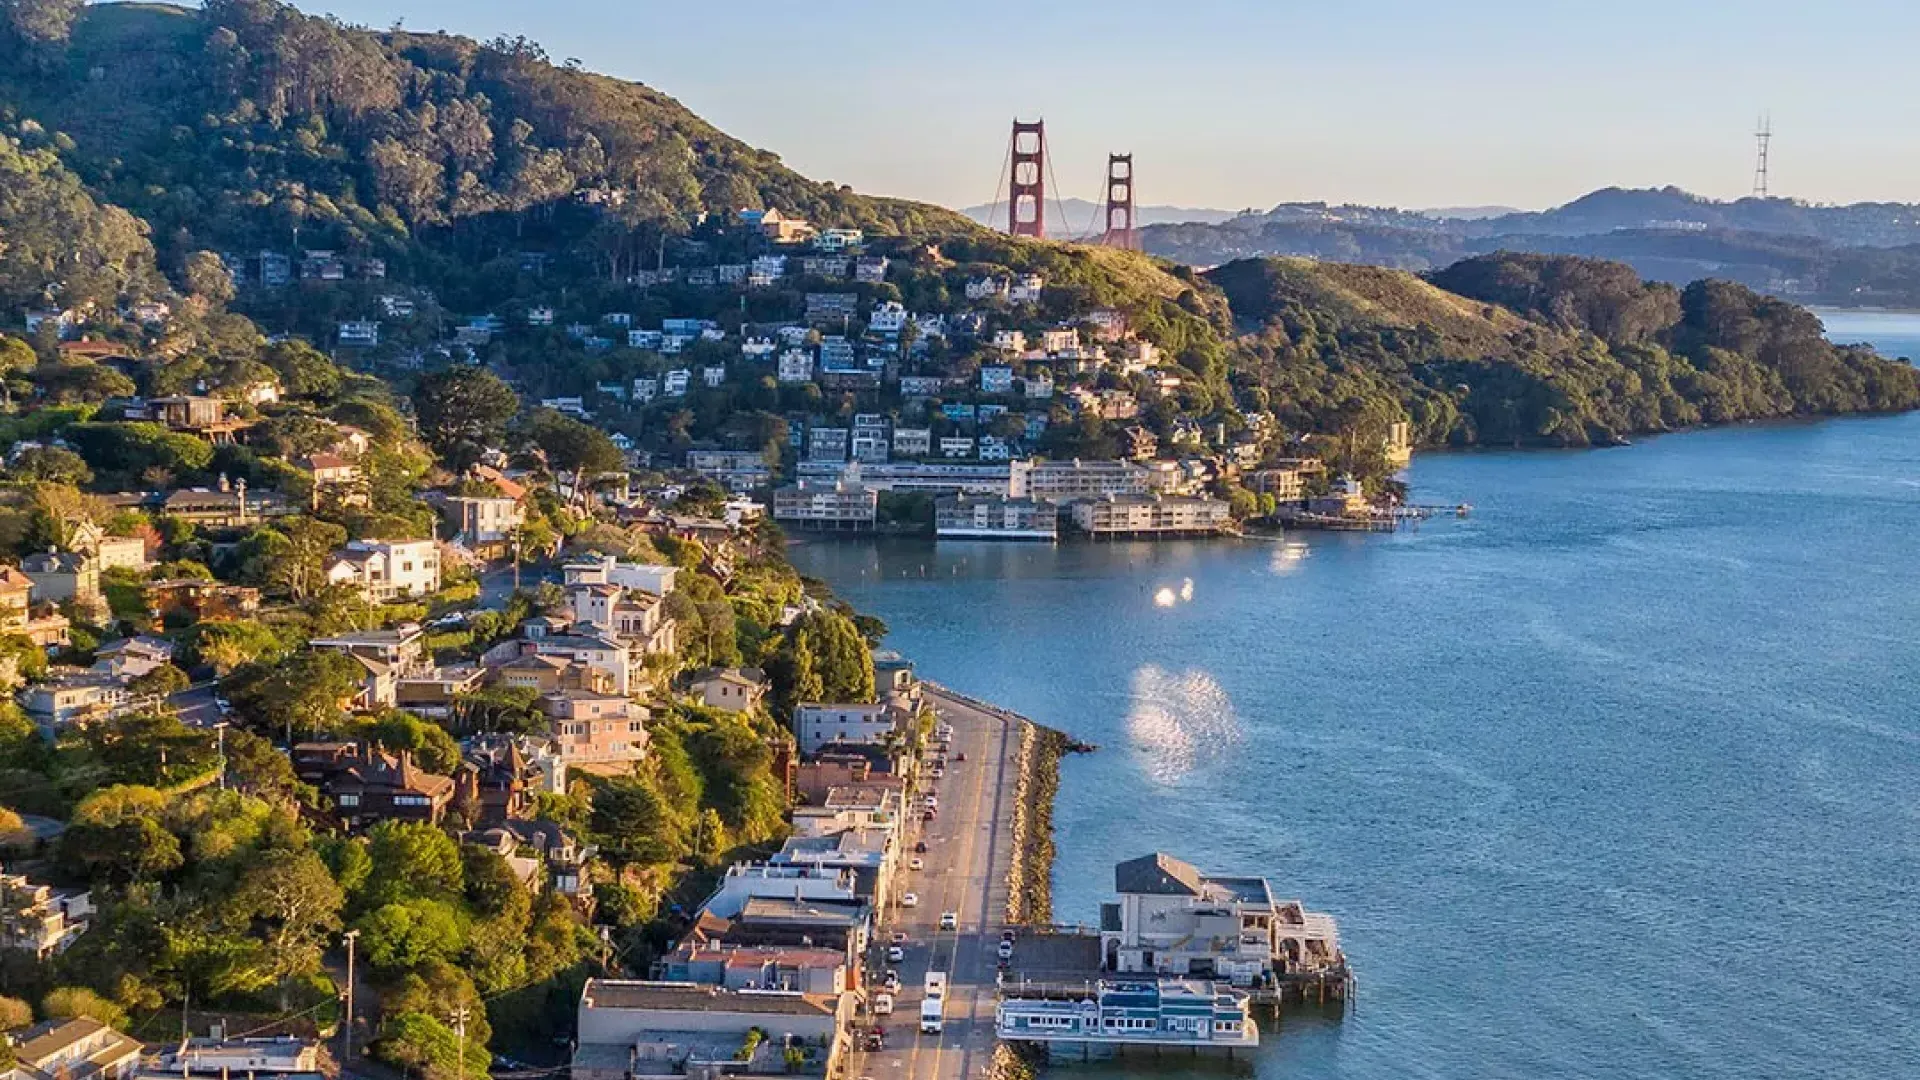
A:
x,y
1180,722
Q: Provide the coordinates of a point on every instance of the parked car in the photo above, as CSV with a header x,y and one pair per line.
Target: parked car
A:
x,y
909,900
917,864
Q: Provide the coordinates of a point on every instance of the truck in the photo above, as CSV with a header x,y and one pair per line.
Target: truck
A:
x,y
936,984
930,1016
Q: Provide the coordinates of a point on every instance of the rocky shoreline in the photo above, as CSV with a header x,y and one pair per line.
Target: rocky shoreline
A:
x,y
1030,877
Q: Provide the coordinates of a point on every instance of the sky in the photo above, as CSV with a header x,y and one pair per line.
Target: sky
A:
x,y
1239,103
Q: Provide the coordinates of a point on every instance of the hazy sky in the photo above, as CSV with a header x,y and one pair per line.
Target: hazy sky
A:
x,y
1232,103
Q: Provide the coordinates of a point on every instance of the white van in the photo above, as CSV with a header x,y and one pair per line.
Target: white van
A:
x,y
936,984
930,1016
883,1005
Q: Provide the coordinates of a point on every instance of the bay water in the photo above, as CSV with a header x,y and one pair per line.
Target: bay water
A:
x,y
1616,777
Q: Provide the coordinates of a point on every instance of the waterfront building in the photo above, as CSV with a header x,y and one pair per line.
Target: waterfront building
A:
x,y
827,504
936,477
1117,515
1071,481
1195,1013
1173,920
993,518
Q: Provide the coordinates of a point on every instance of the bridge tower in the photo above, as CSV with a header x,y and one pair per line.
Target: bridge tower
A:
x,y
1120,228
1026,185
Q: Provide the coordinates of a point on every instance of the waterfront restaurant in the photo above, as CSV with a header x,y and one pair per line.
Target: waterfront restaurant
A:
x,y
1196,1013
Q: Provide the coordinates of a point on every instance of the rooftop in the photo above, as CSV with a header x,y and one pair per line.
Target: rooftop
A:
x,y
686,997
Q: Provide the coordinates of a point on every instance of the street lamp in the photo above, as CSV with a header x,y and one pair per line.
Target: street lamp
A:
x,y
346,1054
220,729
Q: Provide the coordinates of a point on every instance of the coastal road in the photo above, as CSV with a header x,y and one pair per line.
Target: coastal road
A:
x,y
969,850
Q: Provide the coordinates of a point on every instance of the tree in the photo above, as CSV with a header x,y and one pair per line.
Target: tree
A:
x,y
207,279
256,767
163,681
301,695
305,370
42,22
412,859
427,1047
228,645
402,732
293,901
398,936
50,464
573,447
463,411
634,823
14,1014
71,1002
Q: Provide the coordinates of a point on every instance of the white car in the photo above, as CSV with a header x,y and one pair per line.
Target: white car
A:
x,y
939,773
917,864
1006,950
909,900
949,920
883,1005
896,954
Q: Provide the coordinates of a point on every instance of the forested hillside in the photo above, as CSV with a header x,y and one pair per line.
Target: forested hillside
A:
x,y
250,124
137,140
1525,349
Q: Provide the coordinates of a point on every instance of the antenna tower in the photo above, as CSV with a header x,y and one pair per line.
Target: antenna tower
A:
x,y
1026,183
1763,135
1120,229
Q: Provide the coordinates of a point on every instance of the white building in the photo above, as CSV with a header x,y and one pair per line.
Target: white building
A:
x,y
1027,289
359,334
1010,340
1173,920
654,578
912,442
956,446
796,366
382,570
996,379
888,317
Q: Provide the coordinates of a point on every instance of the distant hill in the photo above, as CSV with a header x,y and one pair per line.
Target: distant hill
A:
x,y
1083,214
1867,253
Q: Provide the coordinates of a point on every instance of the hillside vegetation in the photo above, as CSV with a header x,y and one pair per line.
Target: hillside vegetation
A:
x,y
1514,349
141,138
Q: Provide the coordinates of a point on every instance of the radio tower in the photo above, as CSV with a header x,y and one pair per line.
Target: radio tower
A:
x,y
1026,185
1120,232
1763,134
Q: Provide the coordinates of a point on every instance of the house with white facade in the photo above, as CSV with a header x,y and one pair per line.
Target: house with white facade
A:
x,y
996,379
887,317
382,570
815,725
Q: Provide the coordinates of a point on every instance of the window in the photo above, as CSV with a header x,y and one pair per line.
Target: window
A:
x,y
348,800
411,800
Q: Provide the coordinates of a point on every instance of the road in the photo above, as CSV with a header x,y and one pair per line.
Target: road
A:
x,y
969,849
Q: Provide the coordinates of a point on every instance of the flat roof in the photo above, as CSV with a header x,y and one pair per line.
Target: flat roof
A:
x,y
635,994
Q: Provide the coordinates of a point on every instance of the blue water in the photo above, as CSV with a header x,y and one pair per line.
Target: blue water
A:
x,y
1618,777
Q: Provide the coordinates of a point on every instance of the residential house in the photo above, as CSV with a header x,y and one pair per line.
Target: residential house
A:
x,y
996,379
596,731
738,470
827,444
1070,481
870,269
912,442
987,288
973,517
655,578
191,600
482,523
838,239
358,334
887,317
817,725
795,366
203,416
921,386
61,577
674,383
832,307
369,785
383,570
731,689
435,691
18,615
615,659
286,1056
1014,341
40,920
80,1048
1026,288
337,479
956,446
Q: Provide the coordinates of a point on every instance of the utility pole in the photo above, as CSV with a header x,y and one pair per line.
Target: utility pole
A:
x,y
460,1029
1763,134
346,1052
221,729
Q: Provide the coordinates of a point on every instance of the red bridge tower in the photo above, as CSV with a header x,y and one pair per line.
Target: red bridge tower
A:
x,y
1120,231
1026,186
